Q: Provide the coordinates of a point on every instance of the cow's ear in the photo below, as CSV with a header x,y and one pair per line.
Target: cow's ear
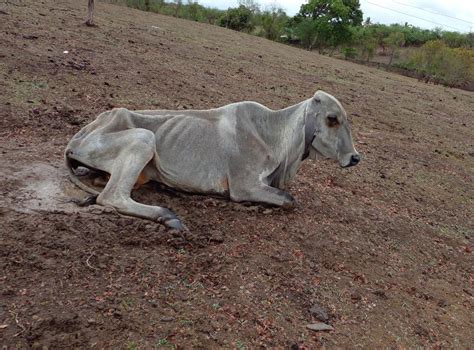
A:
x,y
317,97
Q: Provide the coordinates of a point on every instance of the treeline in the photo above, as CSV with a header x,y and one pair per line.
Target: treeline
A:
x,y
336,26
320,24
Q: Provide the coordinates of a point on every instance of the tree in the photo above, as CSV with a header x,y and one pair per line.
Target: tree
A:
x,y
394,41
179,4
455,39
273,21
237,19
252,5
194,10
470,40
313,33
90,13
331,21
366,39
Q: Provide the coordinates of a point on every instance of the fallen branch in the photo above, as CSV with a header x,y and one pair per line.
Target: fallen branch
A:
x,y
88,264
23,328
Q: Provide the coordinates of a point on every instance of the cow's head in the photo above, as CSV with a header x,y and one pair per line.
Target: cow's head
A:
x,y
332,136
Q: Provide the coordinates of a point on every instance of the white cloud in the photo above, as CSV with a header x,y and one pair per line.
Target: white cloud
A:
x,y
422,13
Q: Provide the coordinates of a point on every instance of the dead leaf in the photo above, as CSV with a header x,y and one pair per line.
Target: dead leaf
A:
x,y
320,327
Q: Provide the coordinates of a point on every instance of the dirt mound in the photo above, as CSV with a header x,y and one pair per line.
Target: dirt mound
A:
x,y
381,252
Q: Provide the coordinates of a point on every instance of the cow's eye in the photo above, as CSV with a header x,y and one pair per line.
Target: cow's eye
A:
x,y
332,120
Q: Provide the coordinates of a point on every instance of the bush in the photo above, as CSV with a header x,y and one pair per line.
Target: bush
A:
x,y
394,41
239,19
452,67
273,23
349,52
455,39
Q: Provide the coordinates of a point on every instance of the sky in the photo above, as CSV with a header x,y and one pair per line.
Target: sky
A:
x,y
421,13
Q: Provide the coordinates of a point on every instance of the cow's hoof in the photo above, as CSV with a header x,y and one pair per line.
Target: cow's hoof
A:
x,y
289,205
174,224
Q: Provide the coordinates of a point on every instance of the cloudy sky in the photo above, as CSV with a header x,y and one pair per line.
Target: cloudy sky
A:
x,y
422,13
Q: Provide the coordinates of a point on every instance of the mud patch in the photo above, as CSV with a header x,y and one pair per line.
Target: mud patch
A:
x,y
40,187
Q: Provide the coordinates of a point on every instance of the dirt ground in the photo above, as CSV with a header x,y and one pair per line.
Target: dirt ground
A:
x,y
383,252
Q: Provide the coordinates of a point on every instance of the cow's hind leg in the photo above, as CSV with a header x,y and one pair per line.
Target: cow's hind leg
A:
x,y
260,192
133,150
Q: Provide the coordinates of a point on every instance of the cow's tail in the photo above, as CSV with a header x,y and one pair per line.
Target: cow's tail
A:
x,y
75,180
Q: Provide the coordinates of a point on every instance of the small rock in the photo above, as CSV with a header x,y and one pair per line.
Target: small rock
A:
x,y
217,237
211,201
108,210
30,36
443,303
253,209
381,294
421,331
355,296
167,319
267,211
318,312
320,327
295,346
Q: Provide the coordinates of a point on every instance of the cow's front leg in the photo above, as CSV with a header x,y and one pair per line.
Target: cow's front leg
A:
x,y
138,149
262,193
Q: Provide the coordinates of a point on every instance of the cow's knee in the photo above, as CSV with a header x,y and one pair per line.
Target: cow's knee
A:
x,y
143,138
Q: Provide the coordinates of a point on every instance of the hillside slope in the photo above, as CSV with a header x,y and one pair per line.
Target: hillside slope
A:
x,y
384,249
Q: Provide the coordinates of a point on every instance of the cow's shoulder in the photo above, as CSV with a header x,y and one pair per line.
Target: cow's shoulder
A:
x,y
249,106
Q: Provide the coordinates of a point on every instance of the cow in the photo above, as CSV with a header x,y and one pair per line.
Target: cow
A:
x,y
243,151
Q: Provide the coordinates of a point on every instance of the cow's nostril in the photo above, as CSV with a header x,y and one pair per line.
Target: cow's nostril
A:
x,y
355,159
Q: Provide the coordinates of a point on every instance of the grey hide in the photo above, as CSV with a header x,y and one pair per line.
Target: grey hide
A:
x,y
243,151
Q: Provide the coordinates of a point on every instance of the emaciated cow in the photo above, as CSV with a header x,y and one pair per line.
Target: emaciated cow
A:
x,y
243,151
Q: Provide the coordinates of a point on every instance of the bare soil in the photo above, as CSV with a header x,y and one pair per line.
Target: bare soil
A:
x,y
383,252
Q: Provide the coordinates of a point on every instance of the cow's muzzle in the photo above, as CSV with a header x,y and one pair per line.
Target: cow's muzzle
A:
x,y
354,160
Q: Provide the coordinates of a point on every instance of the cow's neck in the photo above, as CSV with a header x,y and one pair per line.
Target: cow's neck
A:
x,y
292,142
309,135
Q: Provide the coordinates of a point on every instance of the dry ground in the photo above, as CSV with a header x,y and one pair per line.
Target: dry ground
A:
x,y
385,249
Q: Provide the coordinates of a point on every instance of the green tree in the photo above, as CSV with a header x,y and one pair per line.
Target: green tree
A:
x,y
212,15
470,40
238,18
273,22
313,33
252,5
394,41
331,21
194,10
455,39
178,6
439,63
366,39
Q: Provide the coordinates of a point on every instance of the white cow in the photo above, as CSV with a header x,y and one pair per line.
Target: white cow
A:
x,y
243,151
